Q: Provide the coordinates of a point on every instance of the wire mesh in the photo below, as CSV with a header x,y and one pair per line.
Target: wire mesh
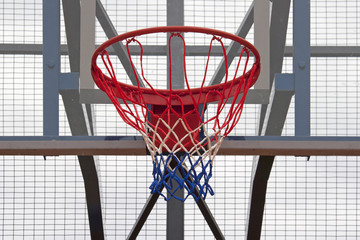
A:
x,y
45,199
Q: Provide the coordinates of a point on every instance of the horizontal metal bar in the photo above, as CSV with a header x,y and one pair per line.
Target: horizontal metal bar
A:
x,y
159,50
139,138
328,51
293,148
231,146
254,96
149,50
80,148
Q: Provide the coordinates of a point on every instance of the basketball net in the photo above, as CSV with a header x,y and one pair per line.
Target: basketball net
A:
x,y
180,133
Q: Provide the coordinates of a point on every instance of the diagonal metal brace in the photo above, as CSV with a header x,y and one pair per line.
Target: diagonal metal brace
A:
x,y
118,47
149,205
233,48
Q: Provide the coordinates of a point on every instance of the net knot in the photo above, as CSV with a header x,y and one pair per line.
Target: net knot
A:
x,y
175,34
130,40
217,38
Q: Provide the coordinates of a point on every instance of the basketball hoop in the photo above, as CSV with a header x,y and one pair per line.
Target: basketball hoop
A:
x,y
179,135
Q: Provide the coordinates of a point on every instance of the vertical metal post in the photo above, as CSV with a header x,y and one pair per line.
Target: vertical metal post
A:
x,y
262,41
51,66
262,165
175,17
78,116
301,66
175,208
278,29
87,42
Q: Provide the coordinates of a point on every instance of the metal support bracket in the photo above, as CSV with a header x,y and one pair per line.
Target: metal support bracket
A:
x,y
280,98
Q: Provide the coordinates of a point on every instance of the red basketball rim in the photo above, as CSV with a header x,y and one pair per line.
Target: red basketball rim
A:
x,y
148,95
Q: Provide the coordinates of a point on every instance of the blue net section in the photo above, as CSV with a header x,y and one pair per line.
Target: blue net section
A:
x,y
174,172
